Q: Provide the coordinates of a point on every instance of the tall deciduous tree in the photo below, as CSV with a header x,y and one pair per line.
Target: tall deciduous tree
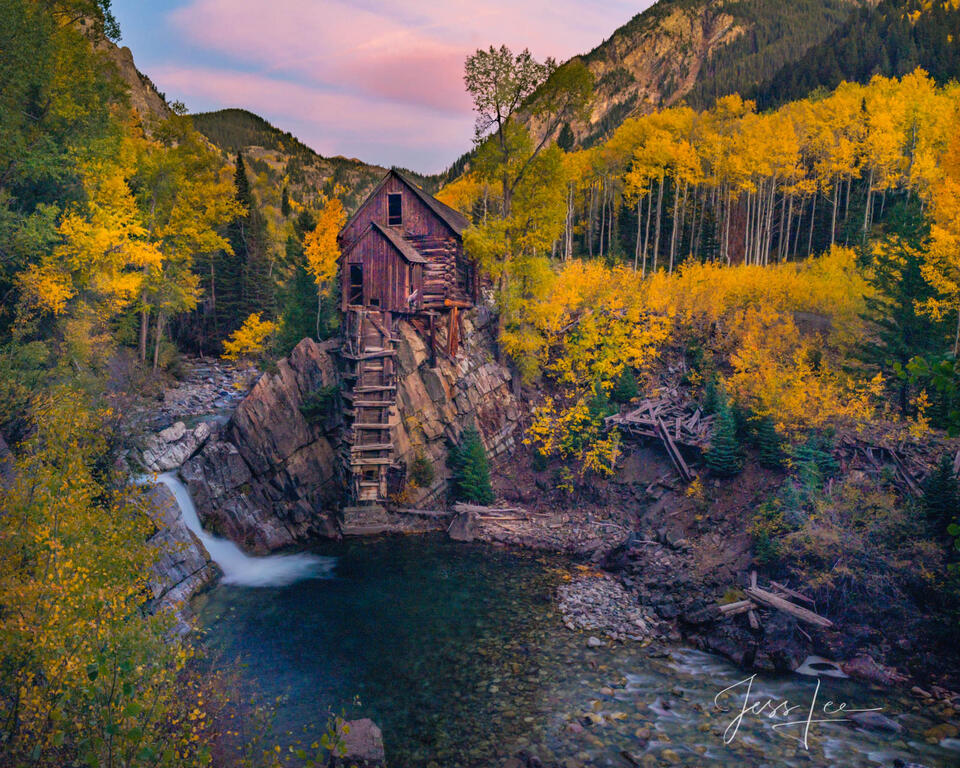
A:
x,y
323,252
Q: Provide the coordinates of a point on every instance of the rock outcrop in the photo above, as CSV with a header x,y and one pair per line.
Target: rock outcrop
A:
x,y
436,403
183,566
170,447
269,479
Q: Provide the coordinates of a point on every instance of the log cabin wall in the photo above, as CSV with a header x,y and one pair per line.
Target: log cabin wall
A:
x,y
388,279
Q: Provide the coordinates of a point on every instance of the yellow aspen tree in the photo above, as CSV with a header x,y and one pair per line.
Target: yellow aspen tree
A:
x,y
322,250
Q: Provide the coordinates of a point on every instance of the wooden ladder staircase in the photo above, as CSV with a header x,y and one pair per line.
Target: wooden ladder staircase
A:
x,y
369,393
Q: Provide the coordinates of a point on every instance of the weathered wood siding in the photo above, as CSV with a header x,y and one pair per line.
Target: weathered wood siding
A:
x,y
418,219
388,278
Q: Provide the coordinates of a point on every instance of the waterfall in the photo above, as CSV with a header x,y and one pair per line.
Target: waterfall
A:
x,y
238,567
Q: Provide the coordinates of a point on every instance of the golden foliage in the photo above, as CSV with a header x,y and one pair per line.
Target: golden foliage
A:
x,y
88,676
320,245
249,339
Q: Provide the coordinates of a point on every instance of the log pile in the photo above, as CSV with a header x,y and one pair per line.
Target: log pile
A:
x,y
670,418
778,597
909,459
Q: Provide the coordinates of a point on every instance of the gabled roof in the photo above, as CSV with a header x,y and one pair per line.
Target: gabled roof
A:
x,y
452,218
405,249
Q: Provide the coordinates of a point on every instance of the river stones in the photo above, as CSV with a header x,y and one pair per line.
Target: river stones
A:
x,y
601,604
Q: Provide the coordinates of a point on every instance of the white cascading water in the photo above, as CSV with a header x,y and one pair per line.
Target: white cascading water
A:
x,y
238,567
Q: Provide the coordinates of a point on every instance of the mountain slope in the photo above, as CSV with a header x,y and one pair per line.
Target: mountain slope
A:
x,y
289,162
892,40
698,50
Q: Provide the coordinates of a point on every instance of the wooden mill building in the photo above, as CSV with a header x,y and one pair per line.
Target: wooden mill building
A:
x,y
401,258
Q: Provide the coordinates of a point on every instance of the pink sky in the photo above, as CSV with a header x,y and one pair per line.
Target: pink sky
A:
x,y
368,79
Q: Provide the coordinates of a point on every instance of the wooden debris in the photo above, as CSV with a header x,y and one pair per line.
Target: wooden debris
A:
x,y
791,592
741,606
775,601
754,621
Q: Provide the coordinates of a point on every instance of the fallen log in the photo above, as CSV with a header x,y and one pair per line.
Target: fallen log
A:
x,y
481,510
792,592
774,601
741,606
425,512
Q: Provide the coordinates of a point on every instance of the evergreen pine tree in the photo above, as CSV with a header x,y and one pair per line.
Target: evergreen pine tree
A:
x,y
625,388
770,444
723,456
248,237
899,330
471,474
941,501
565,139
711,396
285,203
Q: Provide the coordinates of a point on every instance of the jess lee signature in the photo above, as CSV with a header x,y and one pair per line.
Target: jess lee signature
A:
x,y
803,716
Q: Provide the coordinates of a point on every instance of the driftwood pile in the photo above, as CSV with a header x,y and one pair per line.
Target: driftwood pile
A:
x,y
909,459
672,419
778,597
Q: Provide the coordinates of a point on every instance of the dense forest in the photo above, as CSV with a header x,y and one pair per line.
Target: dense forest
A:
x,y
795,270
892,39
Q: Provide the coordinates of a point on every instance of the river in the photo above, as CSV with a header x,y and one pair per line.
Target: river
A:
x,y
457,652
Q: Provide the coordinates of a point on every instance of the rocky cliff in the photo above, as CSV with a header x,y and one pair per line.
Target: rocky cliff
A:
x,y
436,403
271,477
183,566
698,50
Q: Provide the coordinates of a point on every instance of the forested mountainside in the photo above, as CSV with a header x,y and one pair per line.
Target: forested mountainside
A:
x,y
892,40
285,161
698,50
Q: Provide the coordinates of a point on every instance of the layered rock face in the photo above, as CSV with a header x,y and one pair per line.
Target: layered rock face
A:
x,y
436,403
269,478
183,566
272,478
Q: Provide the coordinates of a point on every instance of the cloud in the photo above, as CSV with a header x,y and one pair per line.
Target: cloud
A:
x,y
407,50
330,122
367,76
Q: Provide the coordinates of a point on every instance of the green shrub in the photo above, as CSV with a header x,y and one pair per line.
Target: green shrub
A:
x,y
318,406
625,388
421,471
467,460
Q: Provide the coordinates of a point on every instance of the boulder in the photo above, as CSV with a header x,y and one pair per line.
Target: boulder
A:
x,y
864,668
170,447
362,744
874,721
465,526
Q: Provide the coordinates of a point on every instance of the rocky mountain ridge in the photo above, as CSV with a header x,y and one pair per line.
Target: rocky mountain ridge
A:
x,y
697,50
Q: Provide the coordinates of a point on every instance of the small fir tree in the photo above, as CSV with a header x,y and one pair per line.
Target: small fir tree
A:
x,y
724,456
625,388
769,444
711,396
470,480
940,500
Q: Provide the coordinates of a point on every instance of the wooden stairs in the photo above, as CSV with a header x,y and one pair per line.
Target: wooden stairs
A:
x,y
368,357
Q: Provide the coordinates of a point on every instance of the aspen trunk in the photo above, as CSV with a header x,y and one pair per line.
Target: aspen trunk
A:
x,y
813,217
158,339
656,239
